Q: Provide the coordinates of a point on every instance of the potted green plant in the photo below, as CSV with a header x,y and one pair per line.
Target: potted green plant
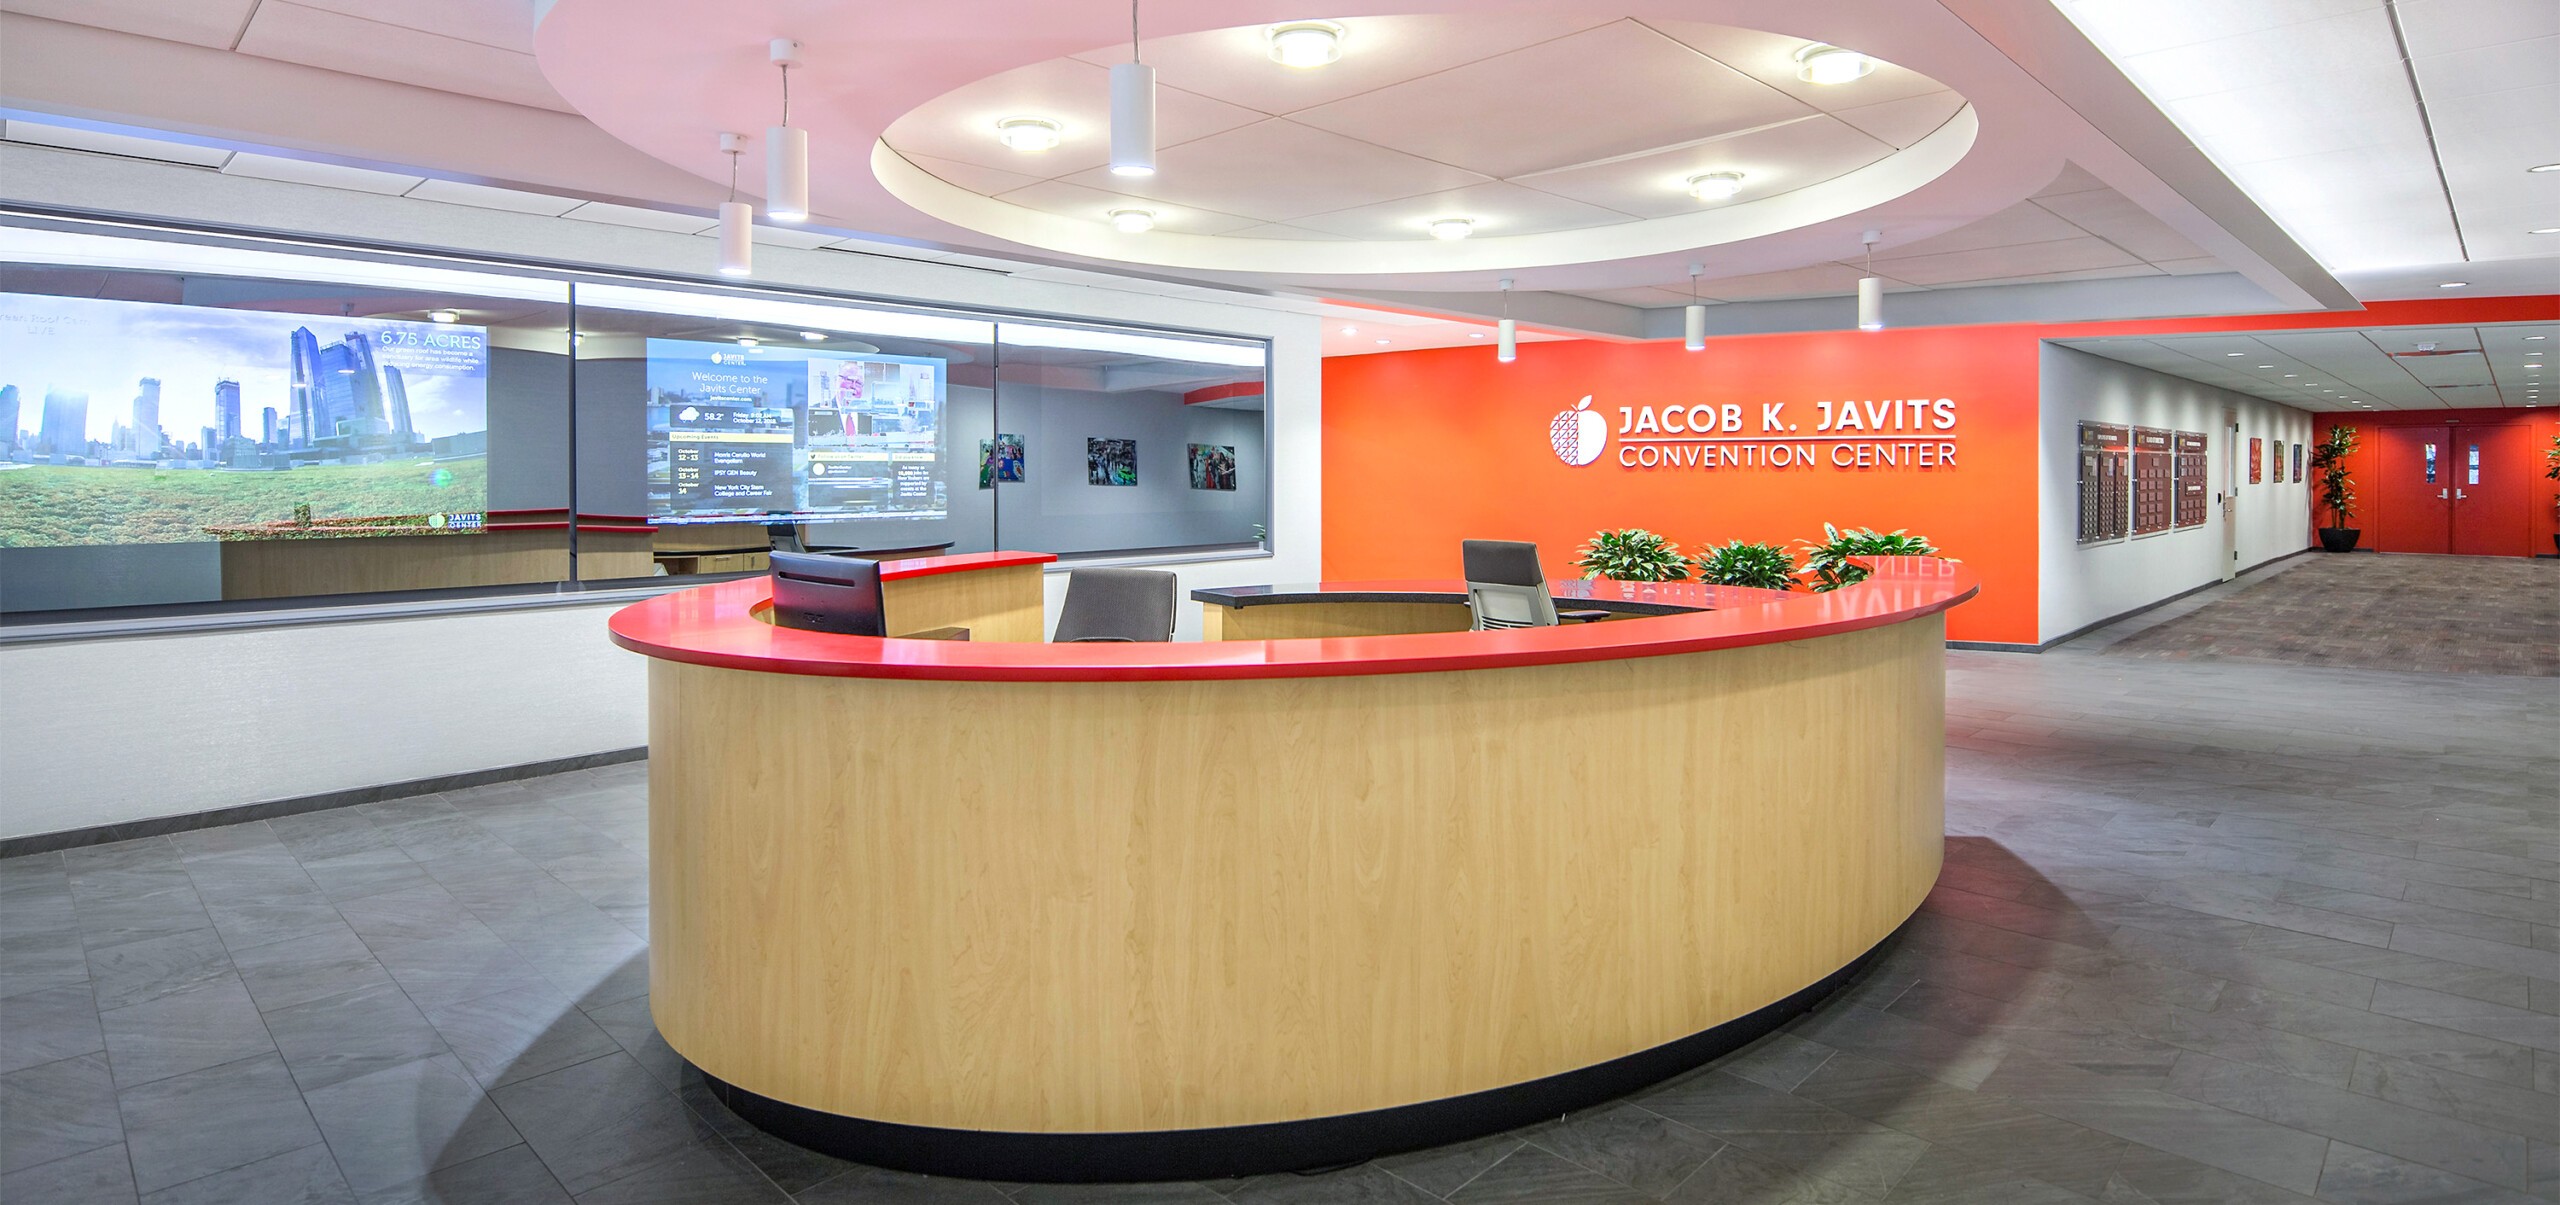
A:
x,y
2551,469
1828,563
2337,489
1759,566
1633,555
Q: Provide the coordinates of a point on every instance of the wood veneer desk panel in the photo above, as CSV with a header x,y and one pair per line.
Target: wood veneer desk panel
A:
x,y
1089,893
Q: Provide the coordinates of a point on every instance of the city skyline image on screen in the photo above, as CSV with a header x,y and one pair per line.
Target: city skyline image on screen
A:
x,y
784,434
128,422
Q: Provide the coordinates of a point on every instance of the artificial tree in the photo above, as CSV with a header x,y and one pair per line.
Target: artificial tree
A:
x,y
2337,488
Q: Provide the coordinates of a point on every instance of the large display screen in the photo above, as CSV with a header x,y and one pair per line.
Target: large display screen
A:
x,y
129,422
784,434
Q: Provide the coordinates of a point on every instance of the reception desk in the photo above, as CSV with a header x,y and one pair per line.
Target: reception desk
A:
x,y
1026,911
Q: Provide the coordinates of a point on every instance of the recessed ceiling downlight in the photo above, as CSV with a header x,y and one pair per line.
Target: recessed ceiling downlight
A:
x,y
2455,284
1133,221
1304,44
1822,64
1715,186
444,316
1029,135
1452,229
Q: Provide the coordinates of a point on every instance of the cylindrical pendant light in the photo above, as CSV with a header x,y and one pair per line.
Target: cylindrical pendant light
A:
x,y
1506,343
1133,119
1694,321
786,148
1133,110
737,218
1871,291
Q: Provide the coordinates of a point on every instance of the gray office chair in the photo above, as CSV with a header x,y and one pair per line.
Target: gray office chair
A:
x,y
1118,604
1507,589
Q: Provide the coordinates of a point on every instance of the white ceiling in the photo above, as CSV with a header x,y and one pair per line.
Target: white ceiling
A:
x,y
1548,122
2391,137
2074,229
478,48
2391,368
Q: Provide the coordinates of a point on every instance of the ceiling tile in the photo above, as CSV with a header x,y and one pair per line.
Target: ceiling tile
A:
x,y
2438,26
644,219
961,125
1234,65
325,175
1277,170
2191,267
505,24
987,181
1906,121
1498,209
2113,217
1280,230
455,192
214,23
2351,105
785,236
1790,157
2000,263
2074,178
1095,205
1771,59
293,33
2115,273
2361,34
75,139
1547,106
2024,222
2502,67
2150,25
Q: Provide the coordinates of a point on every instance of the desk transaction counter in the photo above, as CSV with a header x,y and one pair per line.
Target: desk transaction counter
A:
x,y
1064,912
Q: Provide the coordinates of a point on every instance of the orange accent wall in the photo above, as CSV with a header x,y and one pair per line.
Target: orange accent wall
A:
x,y
2543,425
1423,449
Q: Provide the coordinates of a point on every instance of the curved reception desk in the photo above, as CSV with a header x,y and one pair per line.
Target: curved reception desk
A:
x,y
1330,884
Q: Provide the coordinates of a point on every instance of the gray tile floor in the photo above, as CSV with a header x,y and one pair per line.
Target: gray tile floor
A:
x,y
2207,933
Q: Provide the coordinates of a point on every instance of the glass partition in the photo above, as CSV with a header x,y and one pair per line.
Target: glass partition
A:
x,y
191,424
195,423
1121,442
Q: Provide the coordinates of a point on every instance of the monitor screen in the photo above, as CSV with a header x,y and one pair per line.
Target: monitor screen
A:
x,y
827,594
134,422
769,433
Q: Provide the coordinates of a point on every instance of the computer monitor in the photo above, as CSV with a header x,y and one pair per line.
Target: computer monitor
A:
x,y
827,594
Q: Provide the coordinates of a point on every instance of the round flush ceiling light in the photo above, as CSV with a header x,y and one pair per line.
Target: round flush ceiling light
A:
x,y
1452,229
1821,64
1133,221
444,316
1027,134
1715,186
1304,44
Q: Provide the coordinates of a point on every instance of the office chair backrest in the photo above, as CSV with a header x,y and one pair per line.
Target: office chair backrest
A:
x,y
1505,586
1118,604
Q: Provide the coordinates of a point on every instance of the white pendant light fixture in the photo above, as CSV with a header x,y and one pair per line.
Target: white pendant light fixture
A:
x,y
1133,110
1871,289
1694,319
1506,345
737,219
1304,45
786,148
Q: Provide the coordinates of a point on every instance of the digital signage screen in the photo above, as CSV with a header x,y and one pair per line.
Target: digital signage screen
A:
x,y
127,422
775,434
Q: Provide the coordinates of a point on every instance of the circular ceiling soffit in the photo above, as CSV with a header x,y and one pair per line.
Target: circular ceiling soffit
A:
x,y
1553,148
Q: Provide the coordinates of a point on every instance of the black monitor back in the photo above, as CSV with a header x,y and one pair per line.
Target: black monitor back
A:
x,y
827,594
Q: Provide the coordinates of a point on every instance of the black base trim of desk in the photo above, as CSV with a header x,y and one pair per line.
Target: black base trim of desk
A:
x,y
1322,1142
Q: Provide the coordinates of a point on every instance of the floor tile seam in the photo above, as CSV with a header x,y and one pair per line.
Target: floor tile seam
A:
x,y
1726,1145
273,1047
2287,928
2549,1136
322,1143
2335,1138
300,1097
1552,1151
81,1153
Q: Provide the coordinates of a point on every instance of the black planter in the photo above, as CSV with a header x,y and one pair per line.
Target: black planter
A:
x,y
2340,539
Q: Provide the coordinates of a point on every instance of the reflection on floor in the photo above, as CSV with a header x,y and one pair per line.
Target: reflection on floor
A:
x,y
2433,614
2208,933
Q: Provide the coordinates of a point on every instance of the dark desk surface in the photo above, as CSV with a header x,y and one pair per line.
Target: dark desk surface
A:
x,y
1624,598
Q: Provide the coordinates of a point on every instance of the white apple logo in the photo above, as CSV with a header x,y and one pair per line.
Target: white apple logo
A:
x,y
1579,434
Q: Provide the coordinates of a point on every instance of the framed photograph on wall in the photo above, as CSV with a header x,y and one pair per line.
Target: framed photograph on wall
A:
x,y
1008,457
2297,464
1110,461
2257,459
1213,467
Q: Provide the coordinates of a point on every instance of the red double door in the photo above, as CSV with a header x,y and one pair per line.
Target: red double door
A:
x,y
2458,489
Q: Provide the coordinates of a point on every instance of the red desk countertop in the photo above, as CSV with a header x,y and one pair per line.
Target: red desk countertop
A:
x,y
717,625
